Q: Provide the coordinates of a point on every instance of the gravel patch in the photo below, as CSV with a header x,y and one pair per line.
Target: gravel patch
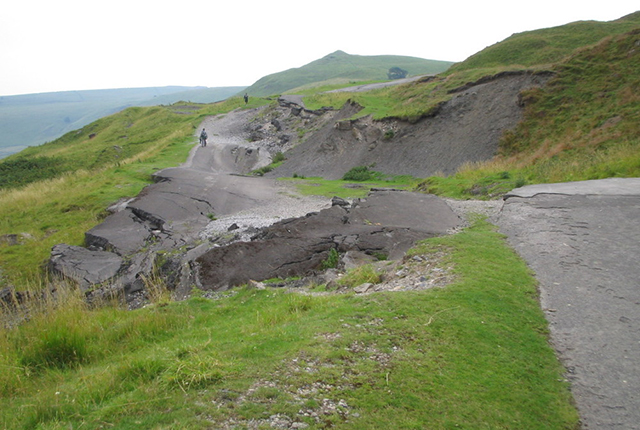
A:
x,y
243,225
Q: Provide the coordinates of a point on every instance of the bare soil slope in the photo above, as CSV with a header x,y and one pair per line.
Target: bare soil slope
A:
x,y
464,129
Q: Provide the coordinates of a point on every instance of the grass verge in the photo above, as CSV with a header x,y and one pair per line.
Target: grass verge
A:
x,y
472,355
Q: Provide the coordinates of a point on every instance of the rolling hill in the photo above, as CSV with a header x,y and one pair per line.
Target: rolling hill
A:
x,y
32,119
546,46
342,67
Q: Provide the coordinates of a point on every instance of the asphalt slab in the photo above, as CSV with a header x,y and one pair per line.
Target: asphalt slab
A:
x,y
582,240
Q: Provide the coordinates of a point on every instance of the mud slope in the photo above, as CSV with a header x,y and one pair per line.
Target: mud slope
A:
x,y
465,129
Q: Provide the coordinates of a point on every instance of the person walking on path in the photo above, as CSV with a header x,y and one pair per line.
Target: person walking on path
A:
x,y
203,138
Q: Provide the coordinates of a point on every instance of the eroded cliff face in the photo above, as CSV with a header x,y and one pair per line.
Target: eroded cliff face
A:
x,y
465,129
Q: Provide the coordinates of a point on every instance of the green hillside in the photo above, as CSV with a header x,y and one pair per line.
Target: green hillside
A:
x,y
472,355
342,67
33,119
546,46
55,192
583,125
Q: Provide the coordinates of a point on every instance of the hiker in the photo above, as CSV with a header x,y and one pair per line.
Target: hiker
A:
x,y
246,98
203,138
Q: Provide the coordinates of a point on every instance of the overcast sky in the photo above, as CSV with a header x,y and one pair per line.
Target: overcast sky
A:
x,y
64,45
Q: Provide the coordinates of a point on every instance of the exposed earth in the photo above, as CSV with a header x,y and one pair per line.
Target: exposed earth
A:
x,y
173,216
464,130
208,223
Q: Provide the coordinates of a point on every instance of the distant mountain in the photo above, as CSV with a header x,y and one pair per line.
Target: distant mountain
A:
x,y
340,65
32,119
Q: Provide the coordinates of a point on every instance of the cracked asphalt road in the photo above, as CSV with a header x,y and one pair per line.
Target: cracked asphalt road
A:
x,y
582,240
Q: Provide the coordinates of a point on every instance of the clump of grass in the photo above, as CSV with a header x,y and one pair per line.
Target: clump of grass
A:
x,y
276,161
363,274
156,289
194,368
279,157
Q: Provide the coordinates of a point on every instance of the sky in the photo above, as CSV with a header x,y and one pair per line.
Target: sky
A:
x,y
65,45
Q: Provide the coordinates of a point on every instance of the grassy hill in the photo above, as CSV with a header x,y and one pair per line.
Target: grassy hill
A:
x,y
33,119
340,67
472,355
583,125
546,46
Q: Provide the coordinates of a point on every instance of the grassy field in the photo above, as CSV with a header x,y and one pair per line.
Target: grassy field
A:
x,y
471,355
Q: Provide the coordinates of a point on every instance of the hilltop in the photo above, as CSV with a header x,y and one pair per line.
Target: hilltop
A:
x,y
546,46
342,68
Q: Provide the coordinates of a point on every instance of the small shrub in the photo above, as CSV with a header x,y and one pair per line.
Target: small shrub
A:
x,y
389,134
332,260
278,158
381,256
261,171
360,174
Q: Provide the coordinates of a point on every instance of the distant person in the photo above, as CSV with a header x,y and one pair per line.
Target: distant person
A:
x,y
246,98
203,138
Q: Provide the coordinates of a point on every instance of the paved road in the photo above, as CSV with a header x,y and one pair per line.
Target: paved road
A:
x,y
582,239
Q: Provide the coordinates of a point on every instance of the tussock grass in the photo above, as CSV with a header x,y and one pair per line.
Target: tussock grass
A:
x,y
360,275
